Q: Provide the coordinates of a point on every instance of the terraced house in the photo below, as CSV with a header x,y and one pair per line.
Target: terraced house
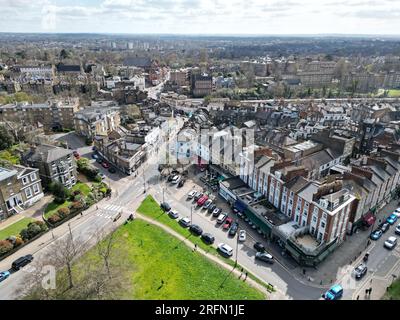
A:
x,y
20,188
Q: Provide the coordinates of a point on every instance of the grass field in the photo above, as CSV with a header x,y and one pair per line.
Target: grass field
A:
x,y
394,291
163,268
53,207
394,93
15,228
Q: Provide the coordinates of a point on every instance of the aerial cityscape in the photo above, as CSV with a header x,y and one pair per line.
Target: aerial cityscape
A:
x,y
199,150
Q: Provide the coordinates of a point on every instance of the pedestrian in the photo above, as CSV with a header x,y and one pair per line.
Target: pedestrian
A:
x,y
245,277
97,208
241,270
82,213
195,247
304,271
369,291
366,291
358,297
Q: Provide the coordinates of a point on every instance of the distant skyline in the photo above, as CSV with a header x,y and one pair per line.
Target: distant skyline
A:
x,y
203,17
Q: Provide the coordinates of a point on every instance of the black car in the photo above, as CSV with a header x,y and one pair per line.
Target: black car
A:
x,y
170,177
211,208
181,183
196,230
259,247
208,238
112,170
22,262
385,227
266,257
233,229
165,206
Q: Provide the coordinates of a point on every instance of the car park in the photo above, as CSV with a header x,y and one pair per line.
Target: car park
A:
x,y
266,257
376,234
112,170
227,223
225,249
216,212
242,235
334,293
165,206
211,208
207,204
208,238
191,194
360,271
397,230
233,229
384,227
390,243
22,262
173,214
185,222
196,230
391,219
221,218
259,247
4,275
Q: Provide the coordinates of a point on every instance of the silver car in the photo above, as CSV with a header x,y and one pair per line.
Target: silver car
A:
x,y
390,243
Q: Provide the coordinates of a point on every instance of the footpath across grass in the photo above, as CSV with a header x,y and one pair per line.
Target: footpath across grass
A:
x,y
15,228
161,267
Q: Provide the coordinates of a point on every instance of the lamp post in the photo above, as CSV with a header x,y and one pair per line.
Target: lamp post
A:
x,y
237,248
191,214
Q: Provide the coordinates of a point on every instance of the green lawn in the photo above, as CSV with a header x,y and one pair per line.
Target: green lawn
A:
x,y
394,93
156,257
53,207
394,291
15,228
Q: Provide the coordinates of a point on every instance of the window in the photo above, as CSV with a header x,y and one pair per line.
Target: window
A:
x,y
24,180
314,219
33,177
322,224
36,188
320,236
28,192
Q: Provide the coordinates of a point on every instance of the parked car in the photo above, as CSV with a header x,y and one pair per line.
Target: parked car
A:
x,y
173,214
202,201
208,238
227,223
184,222
397,213
233,229
259,247
198,195
334,293
385,226
4,275
211,208
266,257
176,179
191,194
99,160
95,156
242,235
376,234
397,230
196,230
181,183
221,218
112,170
165,206
105,165
225,249
76,154
170,177
207,204
360,271
22,262
391,219
216,212
390,243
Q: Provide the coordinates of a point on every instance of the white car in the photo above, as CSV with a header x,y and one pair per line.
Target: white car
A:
x,y
207,204
397,213
242,235
397,230
390,243
225,249
191,194
176,179
222,218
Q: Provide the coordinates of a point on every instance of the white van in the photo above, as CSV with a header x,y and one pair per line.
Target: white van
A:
x,y
176,179
221,218
225,249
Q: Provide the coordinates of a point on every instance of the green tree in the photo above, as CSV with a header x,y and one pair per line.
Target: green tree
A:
x,y
6,139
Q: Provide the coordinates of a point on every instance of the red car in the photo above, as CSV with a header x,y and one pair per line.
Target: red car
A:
x,y
76,154
227,224
105,165
202,200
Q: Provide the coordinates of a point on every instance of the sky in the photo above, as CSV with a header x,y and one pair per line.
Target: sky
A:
x,y
202,16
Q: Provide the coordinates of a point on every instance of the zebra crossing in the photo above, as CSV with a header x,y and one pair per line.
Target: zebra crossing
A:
x,y
109,211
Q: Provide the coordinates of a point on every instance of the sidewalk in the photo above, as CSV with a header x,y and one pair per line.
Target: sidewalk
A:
x,y
277,295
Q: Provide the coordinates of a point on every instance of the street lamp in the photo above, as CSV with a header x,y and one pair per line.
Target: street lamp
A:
x,y
191,214
237,247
